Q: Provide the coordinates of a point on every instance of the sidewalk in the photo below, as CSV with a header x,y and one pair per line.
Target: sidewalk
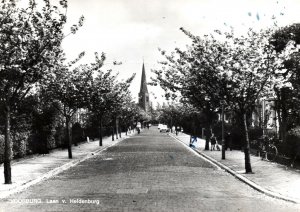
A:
x,y
29,171
269,178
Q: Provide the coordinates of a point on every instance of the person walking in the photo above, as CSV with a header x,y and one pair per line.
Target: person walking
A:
x,y
213,142
228,141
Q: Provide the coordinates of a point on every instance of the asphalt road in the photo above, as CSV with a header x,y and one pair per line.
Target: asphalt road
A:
x,y
147,172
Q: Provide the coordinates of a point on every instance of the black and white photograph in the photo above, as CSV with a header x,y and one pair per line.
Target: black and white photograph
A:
x,y
150,105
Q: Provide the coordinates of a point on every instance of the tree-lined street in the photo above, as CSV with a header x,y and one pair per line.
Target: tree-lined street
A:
x,y
68,96
149,171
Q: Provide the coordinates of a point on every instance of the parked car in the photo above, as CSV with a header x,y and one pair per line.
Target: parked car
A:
x,y
159,126
164,128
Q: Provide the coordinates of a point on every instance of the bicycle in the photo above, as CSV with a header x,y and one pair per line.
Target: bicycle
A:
x,y
268,149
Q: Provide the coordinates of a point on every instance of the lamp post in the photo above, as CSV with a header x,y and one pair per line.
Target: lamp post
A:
x,y
223,140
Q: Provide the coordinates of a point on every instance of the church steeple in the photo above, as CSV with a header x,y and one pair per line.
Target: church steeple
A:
x,y
143,81
144,95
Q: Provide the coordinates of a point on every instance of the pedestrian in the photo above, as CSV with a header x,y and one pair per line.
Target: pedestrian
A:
x,y
192,141
228,141
213,142
177,130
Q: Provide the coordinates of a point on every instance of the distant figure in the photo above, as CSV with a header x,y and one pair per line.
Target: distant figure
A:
x,y
178,129
213,142
228,141
139,125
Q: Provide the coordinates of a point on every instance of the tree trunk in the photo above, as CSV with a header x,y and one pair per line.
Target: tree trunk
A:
x,y
100,132
282,113
284,116
278,119
280,122
223,141
69,140
7,149
207,136
207,133
74,136
247,146
113,133
117,131
208,127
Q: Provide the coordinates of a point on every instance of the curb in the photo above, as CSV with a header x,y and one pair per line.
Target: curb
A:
x,y
59,169
241,177
196,153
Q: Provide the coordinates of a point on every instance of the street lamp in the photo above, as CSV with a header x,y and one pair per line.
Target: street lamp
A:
x,y
223,140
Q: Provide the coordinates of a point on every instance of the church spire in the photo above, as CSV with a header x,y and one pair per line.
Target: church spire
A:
x,y
144,95
144,88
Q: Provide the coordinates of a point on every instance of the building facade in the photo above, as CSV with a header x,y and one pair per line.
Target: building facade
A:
x,y
265,116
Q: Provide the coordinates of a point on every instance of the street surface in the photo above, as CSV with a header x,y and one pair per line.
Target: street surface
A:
x,y
148,172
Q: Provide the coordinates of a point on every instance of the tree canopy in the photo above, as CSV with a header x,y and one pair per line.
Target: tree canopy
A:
x,y
225,69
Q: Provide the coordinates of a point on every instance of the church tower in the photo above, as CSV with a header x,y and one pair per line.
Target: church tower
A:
x,y
144,95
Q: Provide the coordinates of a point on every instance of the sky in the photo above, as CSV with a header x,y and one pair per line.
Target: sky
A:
x,y
131,31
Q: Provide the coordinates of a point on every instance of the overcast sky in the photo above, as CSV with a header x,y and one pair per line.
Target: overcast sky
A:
x,y
133,30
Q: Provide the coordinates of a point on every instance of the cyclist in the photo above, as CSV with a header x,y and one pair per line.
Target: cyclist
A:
x,y
192,141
